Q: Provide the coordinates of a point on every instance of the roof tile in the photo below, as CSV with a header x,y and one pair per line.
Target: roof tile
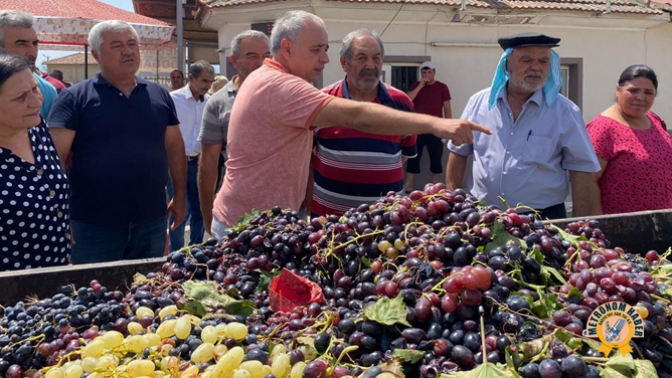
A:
x,y
77,58
87,9
617,6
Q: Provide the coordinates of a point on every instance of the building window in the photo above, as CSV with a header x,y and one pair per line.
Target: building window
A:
x,y
572,80
402,72
564,90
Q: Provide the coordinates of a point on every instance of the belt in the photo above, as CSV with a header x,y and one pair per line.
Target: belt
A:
x,y
194,157
553,208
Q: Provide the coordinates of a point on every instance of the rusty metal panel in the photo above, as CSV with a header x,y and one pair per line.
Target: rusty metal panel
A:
x,y
45,282
635,232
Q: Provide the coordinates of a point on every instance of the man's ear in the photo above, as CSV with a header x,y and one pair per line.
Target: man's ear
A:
x,y
286,46
343,63
95,55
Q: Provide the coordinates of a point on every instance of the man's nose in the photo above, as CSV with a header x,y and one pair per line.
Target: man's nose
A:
x,y
324,58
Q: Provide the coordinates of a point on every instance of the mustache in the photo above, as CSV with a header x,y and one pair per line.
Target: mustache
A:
x,y
533,74
374,73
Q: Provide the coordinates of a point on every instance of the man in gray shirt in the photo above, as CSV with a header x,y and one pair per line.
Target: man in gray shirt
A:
x,y
248,51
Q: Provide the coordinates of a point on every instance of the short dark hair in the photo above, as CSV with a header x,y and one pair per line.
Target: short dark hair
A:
x,y
11,64
181,73
639,70
197,68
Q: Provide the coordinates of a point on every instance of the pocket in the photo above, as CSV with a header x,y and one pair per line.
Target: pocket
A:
x,y
539,149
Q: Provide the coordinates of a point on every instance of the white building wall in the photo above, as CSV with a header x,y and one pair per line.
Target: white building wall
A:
x,y
606,51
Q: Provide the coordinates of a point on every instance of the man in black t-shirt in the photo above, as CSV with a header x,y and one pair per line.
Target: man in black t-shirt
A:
x,y
124,136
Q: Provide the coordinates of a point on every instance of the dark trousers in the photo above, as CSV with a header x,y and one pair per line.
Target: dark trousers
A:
x,y
124,241
194,216
553,212
434,149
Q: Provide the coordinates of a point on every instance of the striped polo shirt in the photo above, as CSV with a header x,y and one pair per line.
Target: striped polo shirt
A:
x,y
352,167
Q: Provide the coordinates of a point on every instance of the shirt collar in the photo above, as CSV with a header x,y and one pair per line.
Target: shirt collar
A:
x,y
275,64
100,80
230,87
383,95
537,97
186,91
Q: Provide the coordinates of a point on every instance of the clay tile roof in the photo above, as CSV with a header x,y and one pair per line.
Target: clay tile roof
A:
x,y
77,58
664,4
88,9
617,6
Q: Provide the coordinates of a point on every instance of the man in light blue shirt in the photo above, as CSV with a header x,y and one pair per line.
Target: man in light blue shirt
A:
x,y
540,142
18,36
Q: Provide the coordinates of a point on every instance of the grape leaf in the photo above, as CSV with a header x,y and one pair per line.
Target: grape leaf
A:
x,y
533,348
645,369
366,261
195,307
245,219
307,346
207,294
140,279
550,271
569,237
574,292
408,355
264,278
500,237
388,311
393,367
483,371
620,367
513,360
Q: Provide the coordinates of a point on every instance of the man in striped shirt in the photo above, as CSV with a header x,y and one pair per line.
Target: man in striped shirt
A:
x,y
351,167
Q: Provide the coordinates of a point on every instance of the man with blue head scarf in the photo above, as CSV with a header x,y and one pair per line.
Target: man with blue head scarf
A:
x,y
540,143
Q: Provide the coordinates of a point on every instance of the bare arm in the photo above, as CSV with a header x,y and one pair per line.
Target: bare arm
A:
x,y
378,119
207,180
582,193
177,165
414,93
595,186
455,171
62,141
308,201
447,110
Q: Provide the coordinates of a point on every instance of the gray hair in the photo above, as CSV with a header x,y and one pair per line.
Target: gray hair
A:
x,y
197,68
10,17
238,39
220,81
96,33
346,47
289,26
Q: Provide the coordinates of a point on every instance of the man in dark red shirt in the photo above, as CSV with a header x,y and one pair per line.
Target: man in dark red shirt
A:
x,y
429,97
55,80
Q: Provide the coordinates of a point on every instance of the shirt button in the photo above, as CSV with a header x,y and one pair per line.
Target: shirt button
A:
x,y
60,214
503,173
40,172
512,133
52,194
508,153
121,94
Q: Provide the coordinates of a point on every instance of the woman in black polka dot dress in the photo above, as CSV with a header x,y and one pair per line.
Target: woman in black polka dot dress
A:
x,y
34,191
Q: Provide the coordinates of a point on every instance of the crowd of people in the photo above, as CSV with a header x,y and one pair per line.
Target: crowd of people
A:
x,y
141,159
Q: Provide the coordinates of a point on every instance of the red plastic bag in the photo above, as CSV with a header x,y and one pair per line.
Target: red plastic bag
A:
x,y
288,291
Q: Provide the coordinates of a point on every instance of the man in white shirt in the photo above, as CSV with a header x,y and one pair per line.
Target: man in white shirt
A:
x,y
190,102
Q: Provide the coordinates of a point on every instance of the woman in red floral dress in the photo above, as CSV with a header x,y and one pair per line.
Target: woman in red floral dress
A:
x,y
634,149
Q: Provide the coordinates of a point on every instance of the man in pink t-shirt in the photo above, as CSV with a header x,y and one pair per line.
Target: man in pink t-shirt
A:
x,y
272,121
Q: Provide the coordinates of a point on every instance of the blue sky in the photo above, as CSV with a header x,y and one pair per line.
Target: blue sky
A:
x,y
46,54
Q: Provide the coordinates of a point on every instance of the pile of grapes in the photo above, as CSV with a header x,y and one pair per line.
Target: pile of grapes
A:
x,y
423,285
